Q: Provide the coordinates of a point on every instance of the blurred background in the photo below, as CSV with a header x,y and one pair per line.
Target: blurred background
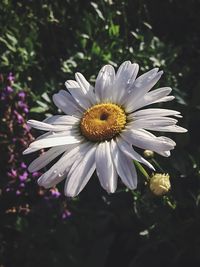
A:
x,y
42,44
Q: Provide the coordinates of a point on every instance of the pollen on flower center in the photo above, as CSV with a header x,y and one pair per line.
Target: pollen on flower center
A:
x,y
103,122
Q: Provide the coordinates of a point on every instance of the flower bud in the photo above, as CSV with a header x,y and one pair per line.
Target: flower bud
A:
x,y
148,154
160,184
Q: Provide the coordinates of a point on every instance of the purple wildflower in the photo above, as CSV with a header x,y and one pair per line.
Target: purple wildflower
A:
x,y
66,214
22,185
12,173
23,165
23,106
3,96
35,174
10,77
18,192
8,90
20,119
23,176
22,95
54,192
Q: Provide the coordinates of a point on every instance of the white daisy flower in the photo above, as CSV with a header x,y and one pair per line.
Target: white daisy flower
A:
x,y
102,125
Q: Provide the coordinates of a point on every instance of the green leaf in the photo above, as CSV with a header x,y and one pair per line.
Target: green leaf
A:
x,y
42,104
46,97
114,30
12,38
141,169
38,109
147,25
9,46
96,48
96,8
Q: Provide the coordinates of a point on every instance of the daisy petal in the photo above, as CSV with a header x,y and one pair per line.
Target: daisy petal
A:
x,y
48,127
124,166
165,153
145,82
157,94
104,83
62,119
131,153
105,167
86,87
56,141
144,79
57,134
170,128
148,99
124,79
153,112
164,99
83,83
145,140
80,172
78,94
152,123
64,101
29,150
142,85
46,158
60,169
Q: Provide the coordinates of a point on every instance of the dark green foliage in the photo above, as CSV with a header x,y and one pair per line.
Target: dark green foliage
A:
x,y
44,43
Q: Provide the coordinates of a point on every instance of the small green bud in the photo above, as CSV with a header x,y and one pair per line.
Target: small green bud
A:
x,y
159,184
148,154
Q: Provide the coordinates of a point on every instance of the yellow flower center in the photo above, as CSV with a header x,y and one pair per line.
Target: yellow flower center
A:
x,y
103,122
